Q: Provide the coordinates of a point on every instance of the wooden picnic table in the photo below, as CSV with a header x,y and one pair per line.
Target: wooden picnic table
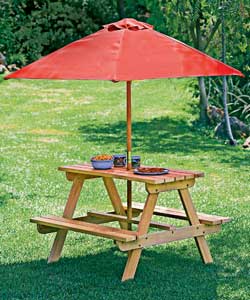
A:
x,y
141,214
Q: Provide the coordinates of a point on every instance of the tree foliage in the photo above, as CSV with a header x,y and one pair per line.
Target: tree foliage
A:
x,y
34,27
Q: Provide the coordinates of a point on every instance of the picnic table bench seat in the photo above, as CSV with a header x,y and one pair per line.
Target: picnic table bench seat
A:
x,y
86,227
180,214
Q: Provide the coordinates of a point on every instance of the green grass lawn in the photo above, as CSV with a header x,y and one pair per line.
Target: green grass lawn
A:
x,y
45,124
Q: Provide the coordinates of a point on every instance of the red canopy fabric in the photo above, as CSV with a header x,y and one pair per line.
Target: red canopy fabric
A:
x,y
124,51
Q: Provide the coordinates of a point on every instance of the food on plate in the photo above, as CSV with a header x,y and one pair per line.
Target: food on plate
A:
x,y
150,170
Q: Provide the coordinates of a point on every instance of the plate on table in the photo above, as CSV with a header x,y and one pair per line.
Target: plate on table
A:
x,y
151,171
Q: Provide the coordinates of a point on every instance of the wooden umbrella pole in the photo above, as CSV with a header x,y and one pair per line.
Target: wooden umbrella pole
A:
x,y
129,126
129,148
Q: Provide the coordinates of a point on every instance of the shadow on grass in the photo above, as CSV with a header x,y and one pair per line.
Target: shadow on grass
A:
x,y
162,135
160,276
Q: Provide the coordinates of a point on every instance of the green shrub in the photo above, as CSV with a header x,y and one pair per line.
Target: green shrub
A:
x,y
240,102
238,96
18,59
36,28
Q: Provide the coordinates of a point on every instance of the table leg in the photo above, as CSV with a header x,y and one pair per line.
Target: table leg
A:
x,y
74,194
115,199
134,255
189,208
129,203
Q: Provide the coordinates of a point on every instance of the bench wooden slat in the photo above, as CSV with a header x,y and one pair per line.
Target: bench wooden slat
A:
x,y
43,229
93,229
113,217
180,214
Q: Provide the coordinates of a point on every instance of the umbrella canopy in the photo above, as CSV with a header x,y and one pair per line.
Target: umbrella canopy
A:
x,y
124,51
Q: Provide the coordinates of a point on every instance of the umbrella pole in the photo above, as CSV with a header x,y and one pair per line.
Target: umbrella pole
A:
x,y
129,148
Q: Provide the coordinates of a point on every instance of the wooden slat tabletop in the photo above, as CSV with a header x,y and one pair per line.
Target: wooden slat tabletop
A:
x,y
123,173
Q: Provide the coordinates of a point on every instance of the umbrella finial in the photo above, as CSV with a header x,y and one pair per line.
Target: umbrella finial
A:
x,y
129,24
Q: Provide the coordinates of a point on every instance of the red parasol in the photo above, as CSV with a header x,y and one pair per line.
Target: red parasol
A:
x,y
124,51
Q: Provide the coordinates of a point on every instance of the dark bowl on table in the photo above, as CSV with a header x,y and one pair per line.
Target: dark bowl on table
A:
x,y
136,161
120,160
